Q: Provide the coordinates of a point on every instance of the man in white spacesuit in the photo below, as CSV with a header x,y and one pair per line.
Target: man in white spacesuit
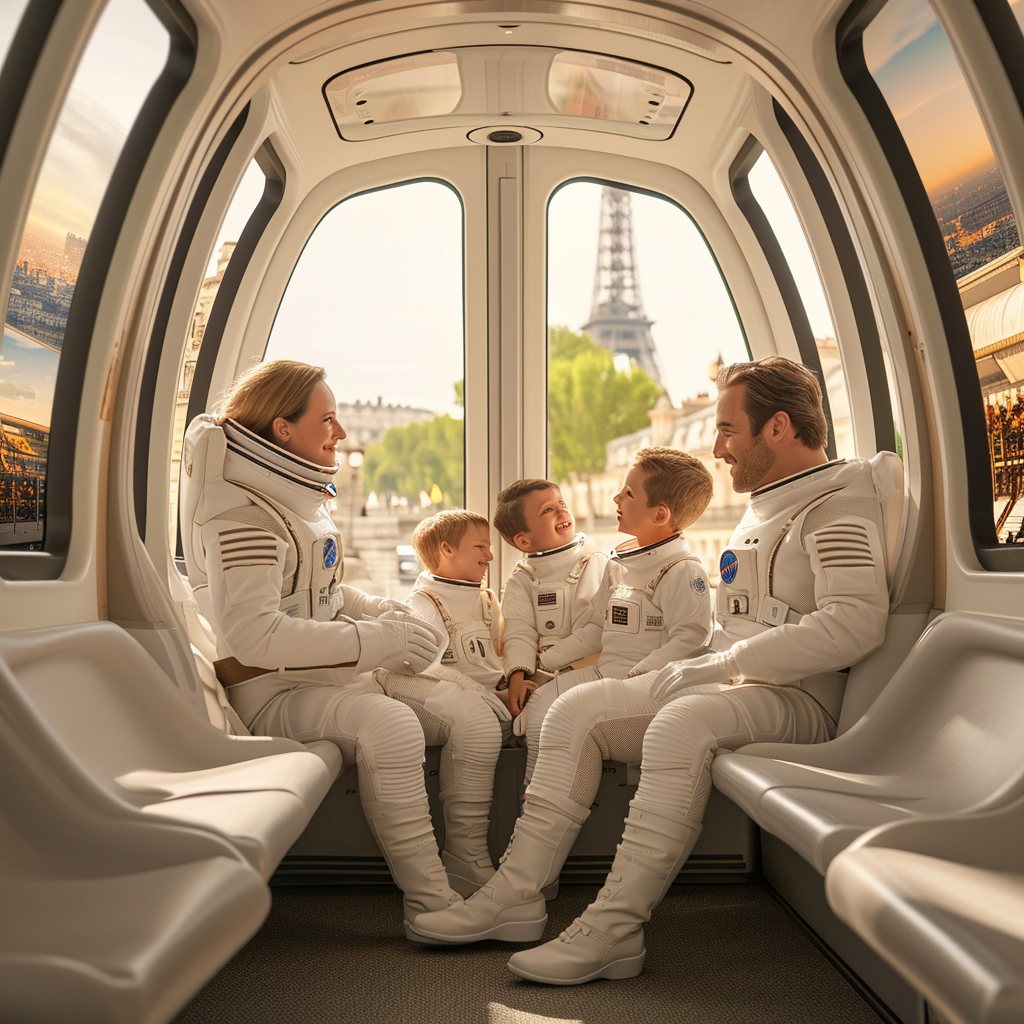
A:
x,y
296,645
803,595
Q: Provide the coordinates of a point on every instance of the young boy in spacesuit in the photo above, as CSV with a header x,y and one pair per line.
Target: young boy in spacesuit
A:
x,y
454,697
550,590
653,605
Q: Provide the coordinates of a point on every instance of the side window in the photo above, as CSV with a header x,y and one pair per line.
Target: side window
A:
x,y
123,59
243,203
916,73
377,299
774,200
633,350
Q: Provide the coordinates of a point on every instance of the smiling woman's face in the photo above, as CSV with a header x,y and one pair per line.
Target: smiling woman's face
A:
x,y
315,433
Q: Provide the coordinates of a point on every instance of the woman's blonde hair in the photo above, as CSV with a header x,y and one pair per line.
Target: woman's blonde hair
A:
x,y
265,391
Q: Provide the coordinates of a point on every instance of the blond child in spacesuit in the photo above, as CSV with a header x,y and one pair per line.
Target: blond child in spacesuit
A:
x,y
295,644
454,697
653,604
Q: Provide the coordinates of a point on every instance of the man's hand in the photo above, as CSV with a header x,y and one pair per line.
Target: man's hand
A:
x,y
678,676
519,690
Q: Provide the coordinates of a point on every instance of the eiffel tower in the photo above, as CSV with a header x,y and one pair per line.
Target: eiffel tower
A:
x,y
617,318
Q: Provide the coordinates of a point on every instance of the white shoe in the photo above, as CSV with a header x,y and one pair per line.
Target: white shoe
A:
x,y
493,912
466,876
581,954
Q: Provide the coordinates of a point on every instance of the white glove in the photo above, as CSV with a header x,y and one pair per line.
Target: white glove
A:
x,y
390,604
401,613
406,644
678,676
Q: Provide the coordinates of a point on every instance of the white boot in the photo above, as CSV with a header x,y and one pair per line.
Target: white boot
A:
x,y
406,838
466,857
607,940
510,907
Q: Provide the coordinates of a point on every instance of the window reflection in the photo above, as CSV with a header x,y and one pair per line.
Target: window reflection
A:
x,y
633,350
121,62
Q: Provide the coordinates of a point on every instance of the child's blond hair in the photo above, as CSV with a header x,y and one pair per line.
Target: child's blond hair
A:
x,y
448,527
677,480
509,519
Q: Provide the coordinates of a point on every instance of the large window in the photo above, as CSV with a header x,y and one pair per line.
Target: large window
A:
x,y
377,299
122,61
916,69
639,319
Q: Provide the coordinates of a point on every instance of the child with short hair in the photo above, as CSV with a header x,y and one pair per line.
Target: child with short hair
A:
x,y
654,603
550,590
454,697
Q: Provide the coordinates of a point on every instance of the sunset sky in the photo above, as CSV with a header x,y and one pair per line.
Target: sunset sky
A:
x,y
915,67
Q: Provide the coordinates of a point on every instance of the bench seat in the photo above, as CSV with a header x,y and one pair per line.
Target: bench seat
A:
x,y
102,697
108,917
942,737
942,899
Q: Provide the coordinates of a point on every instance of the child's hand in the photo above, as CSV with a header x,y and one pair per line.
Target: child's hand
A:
x,y
519,690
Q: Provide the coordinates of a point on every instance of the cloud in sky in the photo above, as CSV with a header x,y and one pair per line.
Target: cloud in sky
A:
x,y
11,390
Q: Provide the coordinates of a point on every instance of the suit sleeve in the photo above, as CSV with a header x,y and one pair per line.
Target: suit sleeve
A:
x,y
520,637
852,599
245,573
684,596
585,637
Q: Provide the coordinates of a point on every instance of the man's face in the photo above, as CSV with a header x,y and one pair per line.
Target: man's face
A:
x,y
747,455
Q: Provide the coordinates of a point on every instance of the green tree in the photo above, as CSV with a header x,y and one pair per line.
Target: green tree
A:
x,y
589,403
413,458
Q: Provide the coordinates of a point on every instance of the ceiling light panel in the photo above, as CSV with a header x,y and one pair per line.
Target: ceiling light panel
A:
x,y
540,86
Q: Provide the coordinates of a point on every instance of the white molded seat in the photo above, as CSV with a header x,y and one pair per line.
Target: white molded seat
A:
x,y
108,917
108,702
942,899
944,736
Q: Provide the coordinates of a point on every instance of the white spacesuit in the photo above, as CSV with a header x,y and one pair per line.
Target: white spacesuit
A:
x,y
819,543
653,606
546,597
455,701
265,561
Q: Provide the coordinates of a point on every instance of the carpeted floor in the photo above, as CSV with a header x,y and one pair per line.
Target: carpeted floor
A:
x,y
717,954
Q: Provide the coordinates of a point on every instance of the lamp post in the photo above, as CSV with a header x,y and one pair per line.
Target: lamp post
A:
x,y
355,464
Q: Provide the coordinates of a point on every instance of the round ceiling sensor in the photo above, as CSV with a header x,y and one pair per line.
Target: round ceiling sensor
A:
x,y
505,135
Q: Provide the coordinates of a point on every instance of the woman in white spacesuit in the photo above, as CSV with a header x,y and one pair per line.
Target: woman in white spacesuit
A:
x,y
296,645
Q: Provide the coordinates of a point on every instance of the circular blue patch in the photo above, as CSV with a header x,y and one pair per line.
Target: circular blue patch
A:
x,y
728,566
330,553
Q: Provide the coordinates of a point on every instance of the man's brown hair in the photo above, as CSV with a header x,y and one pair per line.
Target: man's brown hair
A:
x,y
448,527
677,480
777,384
509,518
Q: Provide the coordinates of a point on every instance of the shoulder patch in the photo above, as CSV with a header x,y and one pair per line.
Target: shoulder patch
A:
x,y
697,585
728,566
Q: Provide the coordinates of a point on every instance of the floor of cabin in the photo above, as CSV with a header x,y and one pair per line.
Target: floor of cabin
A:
x,y
717,954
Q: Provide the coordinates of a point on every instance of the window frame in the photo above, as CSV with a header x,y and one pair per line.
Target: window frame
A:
x,y
850,54
49,563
